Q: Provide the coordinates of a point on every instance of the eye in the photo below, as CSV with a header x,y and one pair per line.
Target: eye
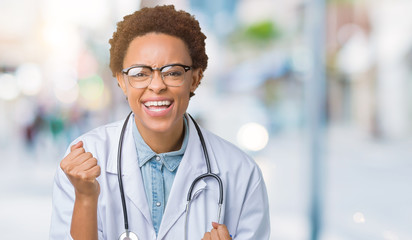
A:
x,y
173,71
138,75
139,72
173,74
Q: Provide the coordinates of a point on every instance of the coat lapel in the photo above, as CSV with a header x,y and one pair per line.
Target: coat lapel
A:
x,y
132,178
192,165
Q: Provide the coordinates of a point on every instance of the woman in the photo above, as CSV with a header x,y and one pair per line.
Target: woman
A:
x,y
158,57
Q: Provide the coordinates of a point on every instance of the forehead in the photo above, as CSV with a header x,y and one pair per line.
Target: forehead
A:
x,y
157,49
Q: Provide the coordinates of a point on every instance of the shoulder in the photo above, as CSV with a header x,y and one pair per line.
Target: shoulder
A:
x,y
223,146
102,132
99,137
231,158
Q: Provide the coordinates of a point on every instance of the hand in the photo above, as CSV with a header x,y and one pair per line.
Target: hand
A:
x,y
82,170
218,232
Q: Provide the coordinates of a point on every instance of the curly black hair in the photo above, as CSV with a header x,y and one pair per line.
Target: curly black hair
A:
x,y
159,19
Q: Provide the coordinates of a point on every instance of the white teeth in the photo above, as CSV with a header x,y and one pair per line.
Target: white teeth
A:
x,y
157,103
157,109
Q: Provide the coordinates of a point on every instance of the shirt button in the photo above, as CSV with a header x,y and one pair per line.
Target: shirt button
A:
x,y
158,204
157,158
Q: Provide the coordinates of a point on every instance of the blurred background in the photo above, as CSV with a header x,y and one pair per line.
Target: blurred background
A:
x,y
319,93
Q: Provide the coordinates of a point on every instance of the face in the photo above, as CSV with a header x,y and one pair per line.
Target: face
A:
x,y
156,50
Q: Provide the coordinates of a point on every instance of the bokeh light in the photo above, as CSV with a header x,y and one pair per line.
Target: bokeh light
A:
x,y
29,79
253,136
67,96
9,89
64,78
91,92
358,217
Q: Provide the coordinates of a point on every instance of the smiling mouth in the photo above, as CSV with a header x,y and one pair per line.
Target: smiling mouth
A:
x,y
157,106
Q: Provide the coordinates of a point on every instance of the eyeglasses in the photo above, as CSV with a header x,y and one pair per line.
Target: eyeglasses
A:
x,y
141,76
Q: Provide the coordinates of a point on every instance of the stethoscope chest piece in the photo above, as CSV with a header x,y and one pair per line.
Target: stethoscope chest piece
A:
x,y
128,236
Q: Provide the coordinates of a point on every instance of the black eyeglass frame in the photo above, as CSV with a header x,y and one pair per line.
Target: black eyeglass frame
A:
x,y
185,67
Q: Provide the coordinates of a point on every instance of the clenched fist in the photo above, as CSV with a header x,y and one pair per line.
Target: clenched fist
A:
x,y
218,232
82,170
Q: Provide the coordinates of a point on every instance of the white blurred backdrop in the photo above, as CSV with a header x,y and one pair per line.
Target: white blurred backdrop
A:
x,y
55,84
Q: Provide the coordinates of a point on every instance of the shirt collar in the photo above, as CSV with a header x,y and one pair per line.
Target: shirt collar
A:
x,y
170,160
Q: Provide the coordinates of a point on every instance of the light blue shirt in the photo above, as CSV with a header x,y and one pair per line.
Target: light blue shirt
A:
x,y
158,171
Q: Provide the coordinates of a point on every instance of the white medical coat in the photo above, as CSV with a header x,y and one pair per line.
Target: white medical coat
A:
x,y
245,209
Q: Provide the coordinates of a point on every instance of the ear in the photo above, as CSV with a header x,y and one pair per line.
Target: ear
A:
x,y
121,83
196,78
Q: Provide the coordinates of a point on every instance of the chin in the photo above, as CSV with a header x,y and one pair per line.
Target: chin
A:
x,y
158,125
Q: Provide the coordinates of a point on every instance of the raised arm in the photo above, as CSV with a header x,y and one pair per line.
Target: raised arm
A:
x,y
82,170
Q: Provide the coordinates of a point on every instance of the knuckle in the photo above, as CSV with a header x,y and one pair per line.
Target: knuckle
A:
x,y
66,161
68,169
73,172
63,164
93,161
83,176
76,152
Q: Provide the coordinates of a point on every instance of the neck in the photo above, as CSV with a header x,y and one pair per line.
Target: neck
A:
x,y
161,142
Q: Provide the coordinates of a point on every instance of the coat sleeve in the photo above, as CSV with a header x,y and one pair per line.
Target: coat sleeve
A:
x,y
62,207
254,221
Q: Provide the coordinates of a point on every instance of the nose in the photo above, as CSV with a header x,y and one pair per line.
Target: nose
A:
x,y
156,84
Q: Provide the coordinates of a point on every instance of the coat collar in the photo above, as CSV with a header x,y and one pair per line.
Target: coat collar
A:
x,y
128,141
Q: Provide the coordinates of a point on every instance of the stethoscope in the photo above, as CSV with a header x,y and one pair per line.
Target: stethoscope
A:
x,y
129,235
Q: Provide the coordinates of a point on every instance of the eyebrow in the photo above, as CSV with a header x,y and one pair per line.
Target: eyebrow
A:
x,y
144,65
139,65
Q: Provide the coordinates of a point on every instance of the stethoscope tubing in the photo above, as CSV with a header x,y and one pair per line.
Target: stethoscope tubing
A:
x,y
119,173
208,174
209,171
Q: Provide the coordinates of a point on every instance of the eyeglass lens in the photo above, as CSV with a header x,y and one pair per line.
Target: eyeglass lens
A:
x,y
140,77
